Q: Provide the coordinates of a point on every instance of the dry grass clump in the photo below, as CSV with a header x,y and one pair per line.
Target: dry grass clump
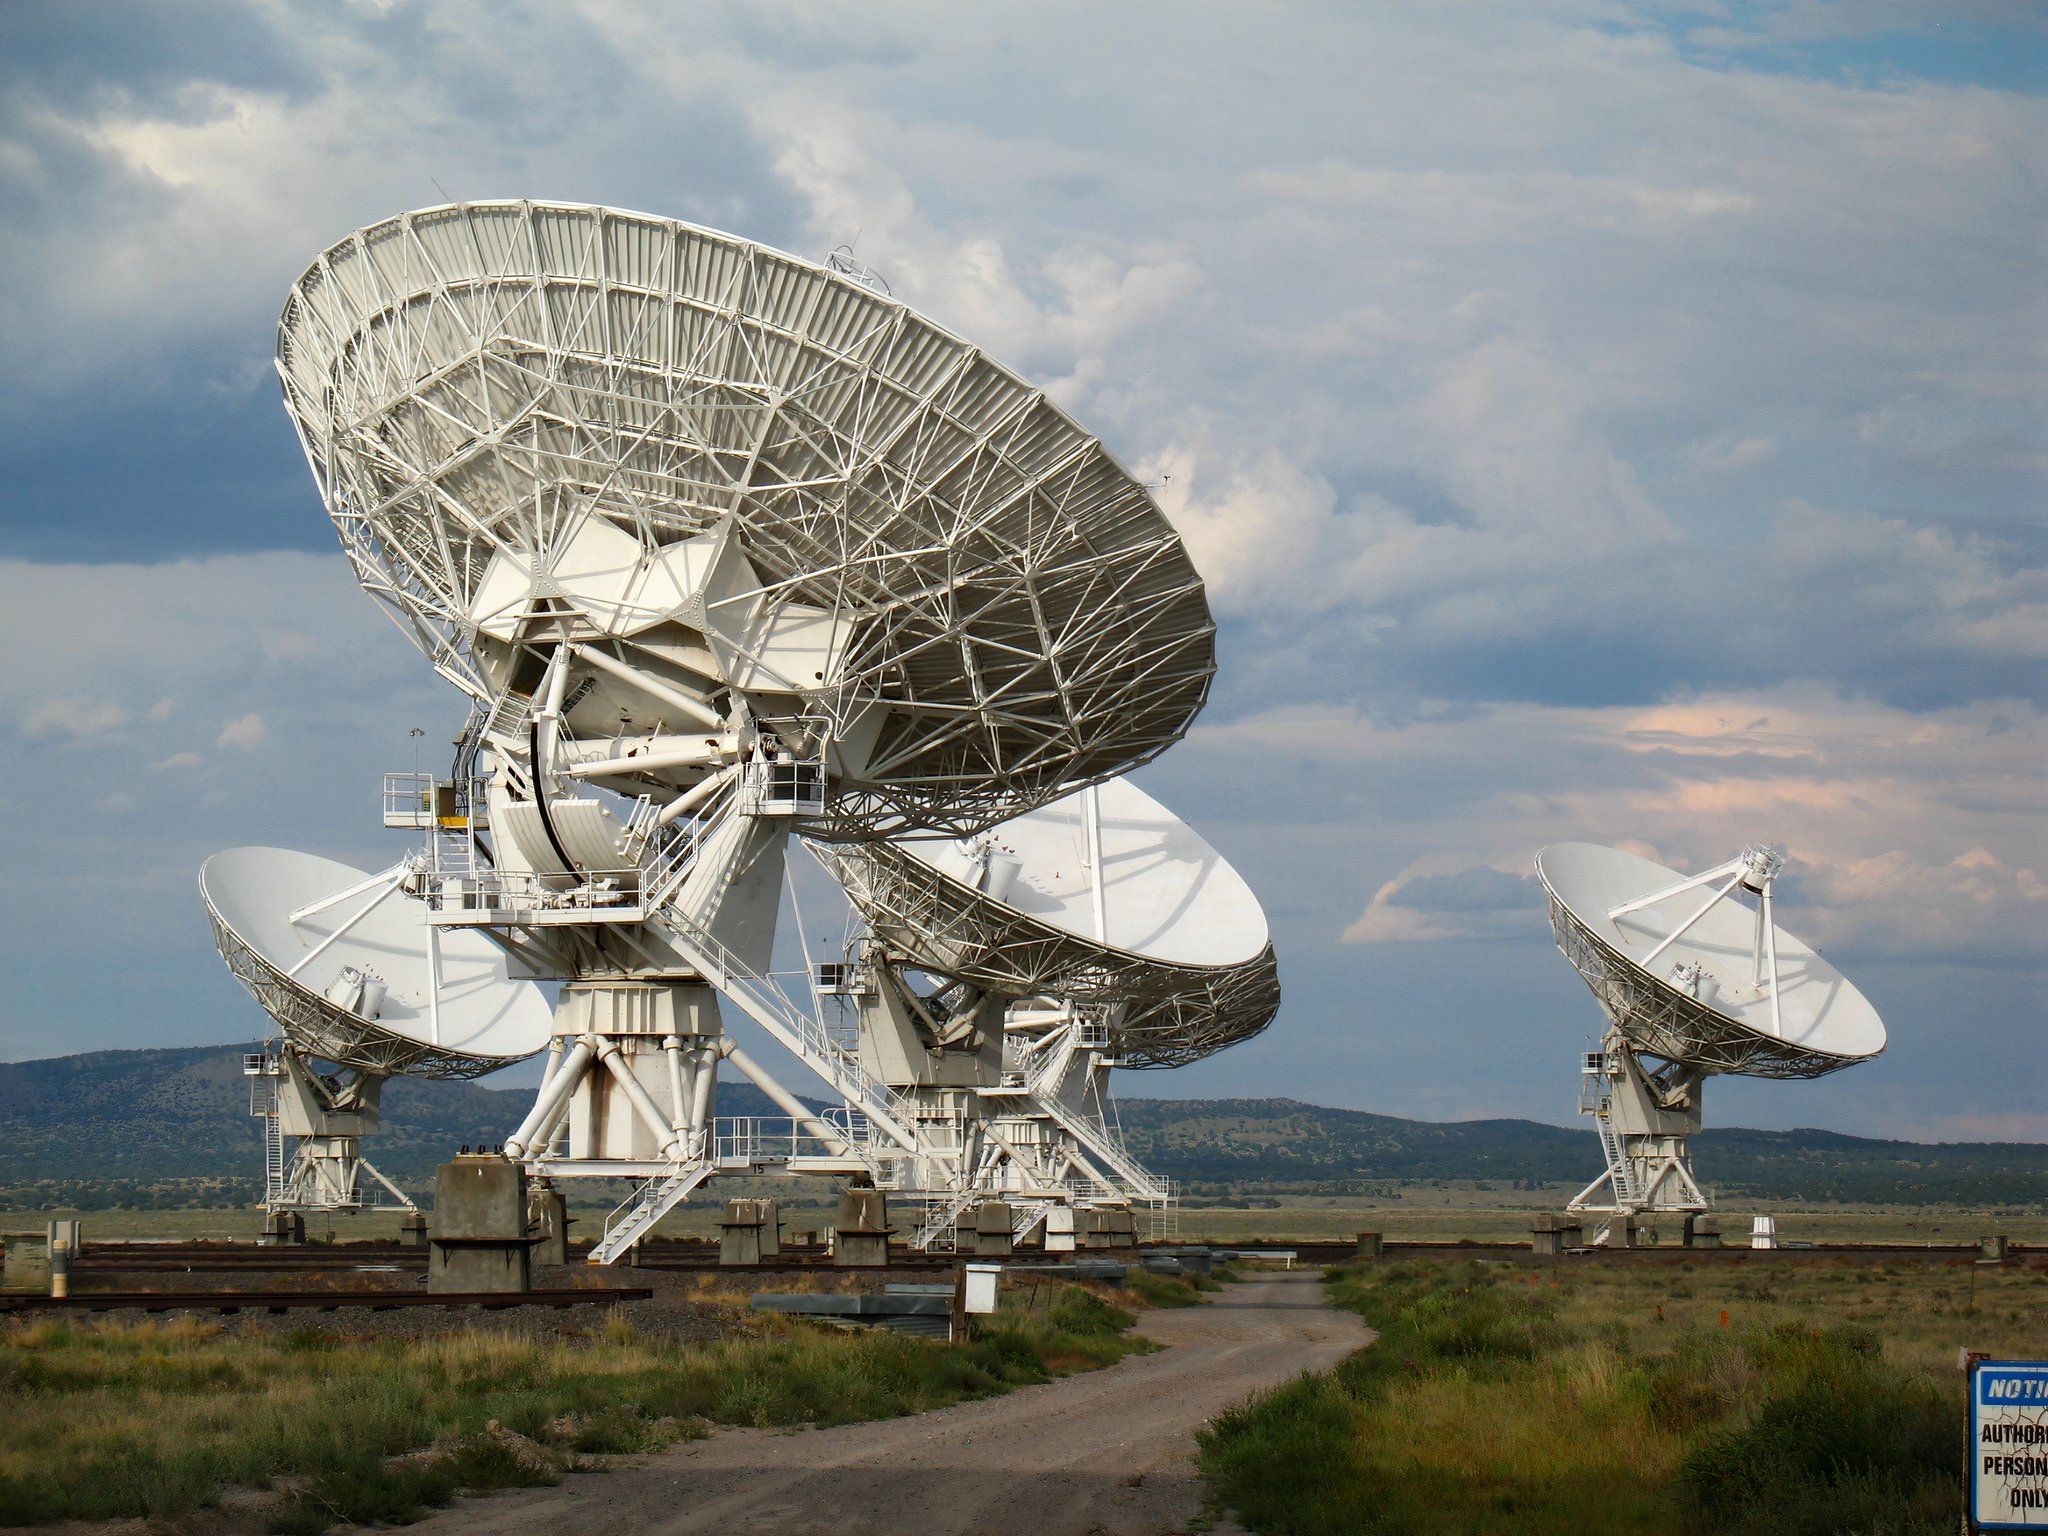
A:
x,y
156,1419
1586,1398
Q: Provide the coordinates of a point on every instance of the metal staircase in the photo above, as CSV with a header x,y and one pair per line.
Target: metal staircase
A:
x,y
262,1070
1091,1133
942,1220
673,853
1618,1171
799,1032
648,1204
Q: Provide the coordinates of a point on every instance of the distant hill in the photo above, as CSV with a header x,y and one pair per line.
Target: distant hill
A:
x,y
113,1126
1284,1145
173,1127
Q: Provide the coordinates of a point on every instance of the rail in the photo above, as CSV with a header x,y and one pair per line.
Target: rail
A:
x,y
317,1301
755,1141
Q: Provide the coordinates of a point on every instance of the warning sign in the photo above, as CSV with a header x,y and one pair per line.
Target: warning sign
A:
x,y
2009,1445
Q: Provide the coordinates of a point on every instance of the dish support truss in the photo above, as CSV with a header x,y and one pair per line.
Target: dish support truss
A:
x,y
1645,1116
629,1089
313,1124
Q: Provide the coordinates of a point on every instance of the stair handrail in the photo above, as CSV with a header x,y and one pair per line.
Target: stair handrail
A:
x,y
802,1034
651,1201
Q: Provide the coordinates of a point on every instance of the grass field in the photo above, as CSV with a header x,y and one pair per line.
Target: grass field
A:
x,y
1579,1399
110,1419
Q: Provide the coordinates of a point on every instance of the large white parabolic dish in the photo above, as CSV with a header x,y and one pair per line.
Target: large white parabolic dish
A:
x,y
989,607
484,1018
1182,946
1823,1022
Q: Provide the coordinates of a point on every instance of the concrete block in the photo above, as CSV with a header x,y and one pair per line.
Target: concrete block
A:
x,y
771,1228
1371,1245
1993,1249
412,1230
989,1236
739,1233
860,1237
1059,1229
1702,1232
479,1240
283,1229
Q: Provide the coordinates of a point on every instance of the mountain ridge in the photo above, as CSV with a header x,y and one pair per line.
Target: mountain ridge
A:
x,y
114,1125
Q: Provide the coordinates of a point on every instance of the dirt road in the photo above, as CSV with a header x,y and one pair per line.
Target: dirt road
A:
x,y
1107,1452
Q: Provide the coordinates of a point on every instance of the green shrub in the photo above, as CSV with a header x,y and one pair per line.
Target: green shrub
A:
x,y
1842,1442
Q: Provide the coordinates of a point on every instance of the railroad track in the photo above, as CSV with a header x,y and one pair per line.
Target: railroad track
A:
x,y
113,1257
320,1301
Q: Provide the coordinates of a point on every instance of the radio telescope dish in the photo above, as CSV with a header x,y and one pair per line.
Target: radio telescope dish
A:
x,y
320,976
1171,932
1715,986
737,482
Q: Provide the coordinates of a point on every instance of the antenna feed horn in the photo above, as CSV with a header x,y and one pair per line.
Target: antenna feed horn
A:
x,y
1761,864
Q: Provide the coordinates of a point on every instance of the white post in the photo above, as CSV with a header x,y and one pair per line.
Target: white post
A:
x,y
702,714
1705,877
678,1094
1091,811
552,1097
433,984
642,1101
702,1088
690,799
339,897
1684,927
360,913
1771,951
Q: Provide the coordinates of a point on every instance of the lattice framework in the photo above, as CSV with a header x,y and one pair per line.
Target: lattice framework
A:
x,y
478,378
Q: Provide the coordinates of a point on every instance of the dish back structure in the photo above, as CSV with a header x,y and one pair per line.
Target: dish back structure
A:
x,y
510,403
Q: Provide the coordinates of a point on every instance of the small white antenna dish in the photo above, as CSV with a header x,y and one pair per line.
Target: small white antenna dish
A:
x,y
1095,932
846,264
353,973
1104,895
1692,986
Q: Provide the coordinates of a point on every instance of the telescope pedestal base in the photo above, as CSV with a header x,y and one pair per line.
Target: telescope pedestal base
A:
x,y
1645,1117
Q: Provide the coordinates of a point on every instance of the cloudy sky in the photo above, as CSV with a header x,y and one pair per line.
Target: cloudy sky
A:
x,y
1594,419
